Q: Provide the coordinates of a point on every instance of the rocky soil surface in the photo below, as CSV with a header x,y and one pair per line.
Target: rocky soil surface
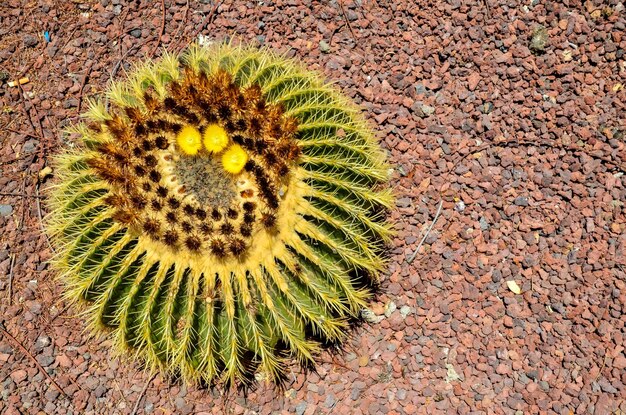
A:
x,y
504,122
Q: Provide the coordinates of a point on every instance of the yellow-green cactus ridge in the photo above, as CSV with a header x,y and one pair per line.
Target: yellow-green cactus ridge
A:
x,y
220,213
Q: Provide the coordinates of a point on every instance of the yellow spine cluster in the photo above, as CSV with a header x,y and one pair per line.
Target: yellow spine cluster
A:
x,y
189,140
234,159
215,140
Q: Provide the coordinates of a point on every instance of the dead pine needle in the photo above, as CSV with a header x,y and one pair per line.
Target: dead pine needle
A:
x,y
345,17
161,31
487,9
19,345
143,392
11,279
414,254
40,216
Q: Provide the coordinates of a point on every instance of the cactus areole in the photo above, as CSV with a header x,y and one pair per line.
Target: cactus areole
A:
x,y
222,214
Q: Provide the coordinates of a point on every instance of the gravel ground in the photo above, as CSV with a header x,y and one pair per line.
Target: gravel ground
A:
x,y
504,121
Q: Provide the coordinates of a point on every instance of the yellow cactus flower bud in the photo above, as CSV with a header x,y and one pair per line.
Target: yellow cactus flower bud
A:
x,y
234,159
215,138
189,140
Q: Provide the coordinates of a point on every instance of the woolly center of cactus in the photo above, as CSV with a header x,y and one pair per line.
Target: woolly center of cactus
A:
x,y
205,179
204,169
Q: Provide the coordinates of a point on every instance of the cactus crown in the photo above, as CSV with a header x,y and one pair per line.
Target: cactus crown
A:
x,y
220,214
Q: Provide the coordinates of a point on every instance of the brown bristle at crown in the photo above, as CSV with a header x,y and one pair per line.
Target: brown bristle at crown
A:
x,y
270,158
140,129
215,214
206,228
260,146
150,160
249,206
151,227
134,114
151,103
248,218
237,246
282,170
170,237
250,165
170,103
290,126
217,248
173,203
193,243
171,217
201,214
139,170
155,176
224,112
95,127
238,139
156,205
255,126
232,213
115,200
253,93
186,226
161,191
270,198
226,228
125,216
241,125
146,145
108,170
161,142
138,201
113,151
245,230
268,220
116,127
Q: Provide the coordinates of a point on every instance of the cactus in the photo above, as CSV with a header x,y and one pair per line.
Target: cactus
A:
x,y
222,215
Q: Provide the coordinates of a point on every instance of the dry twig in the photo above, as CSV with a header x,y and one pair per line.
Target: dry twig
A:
x,y
346,19
23,217
208,20
11,279
19,345
156,46
51,320
119,62
34,135
414,254
143,391
487,9
25,111
41,227
23,194
86,77
182,25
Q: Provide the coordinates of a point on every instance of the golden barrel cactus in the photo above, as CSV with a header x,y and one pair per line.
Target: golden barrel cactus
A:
x,y
222,214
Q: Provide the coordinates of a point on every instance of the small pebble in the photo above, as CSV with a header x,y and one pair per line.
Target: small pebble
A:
x,y
30,41
6,210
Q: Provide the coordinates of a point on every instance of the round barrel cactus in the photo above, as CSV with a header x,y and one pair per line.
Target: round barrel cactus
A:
x,y
222,214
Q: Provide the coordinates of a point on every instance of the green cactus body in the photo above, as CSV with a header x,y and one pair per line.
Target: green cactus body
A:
x,y
219,214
